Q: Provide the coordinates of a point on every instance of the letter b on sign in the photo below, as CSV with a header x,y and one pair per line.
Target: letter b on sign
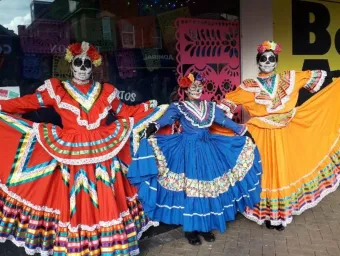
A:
x,y
303,26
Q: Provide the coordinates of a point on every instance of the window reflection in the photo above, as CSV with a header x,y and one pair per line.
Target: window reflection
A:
x,y
136,39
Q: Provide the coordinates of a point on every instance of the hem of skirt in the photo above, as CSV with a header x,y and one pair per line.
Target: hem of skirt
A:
x,y
194,229
85,227
39,250
146,227
295,212
135,252
22,245
29,251
336,144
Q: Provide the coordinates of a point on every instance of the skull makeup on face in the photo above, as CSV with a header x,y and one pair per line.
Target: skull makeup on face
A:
x,y
82,58
82,67
267,62
194,92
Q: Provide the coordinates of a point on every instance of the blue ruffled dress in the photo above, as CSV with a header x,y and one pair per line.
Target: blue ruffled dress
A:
x,y
196,179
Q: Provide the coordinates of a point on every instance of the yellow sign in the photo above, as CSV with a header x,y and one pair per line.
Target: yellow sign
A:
x,y
309,33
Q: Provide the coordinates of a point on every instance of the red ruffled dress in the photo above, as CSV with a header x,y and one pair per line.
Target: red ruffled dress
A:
x,y
63,190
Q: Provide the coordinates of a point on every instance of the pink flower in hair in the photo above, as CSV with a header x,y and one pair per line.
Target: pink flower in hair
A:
x,y
269,46
278,49
261,48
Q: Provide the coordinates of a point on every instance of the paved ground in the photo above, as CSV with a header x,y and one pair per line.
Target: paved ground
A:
x,y
315,233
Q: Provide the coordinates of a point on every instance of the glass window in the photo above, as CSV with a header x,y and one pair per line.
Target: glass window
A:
x,y
138,39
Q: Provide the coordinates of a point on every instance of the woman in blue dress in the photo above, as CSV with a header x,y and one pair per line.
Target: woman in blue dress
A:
x,y
196,179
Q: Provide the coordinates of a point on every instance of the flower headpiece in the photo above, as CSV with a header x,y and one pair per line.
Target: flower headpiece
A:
x,y
186,81
86,49
269,46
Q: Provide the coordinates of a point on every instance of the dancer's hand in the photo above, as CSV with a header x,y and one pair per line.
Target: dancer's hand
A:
x,y
151,129
248,134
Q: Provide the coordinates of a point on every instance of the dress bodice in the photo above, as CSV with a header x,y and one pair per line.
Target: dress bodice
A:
x,y
81,107
271,99
85,137
196,117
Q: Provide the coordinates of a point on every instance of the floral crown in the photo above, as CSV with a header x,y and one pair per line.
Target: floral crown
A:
x,y
86,49
269,46
188,80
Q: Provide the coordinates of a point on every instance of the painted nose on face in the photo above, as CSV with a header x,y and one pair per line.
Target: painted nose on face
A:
x,y
82,68
267,62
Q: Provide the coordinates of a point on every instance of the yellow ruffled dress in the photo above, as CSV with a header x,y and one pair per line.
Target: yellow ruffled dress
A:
x,y
299,146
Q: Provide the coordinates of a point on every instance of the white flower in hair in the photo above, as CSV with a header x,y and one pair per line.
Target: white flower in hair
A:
x,y
85,46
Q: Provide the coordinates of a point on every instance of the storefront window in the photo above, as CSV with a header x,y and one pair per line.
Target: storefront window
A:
x,y
146,44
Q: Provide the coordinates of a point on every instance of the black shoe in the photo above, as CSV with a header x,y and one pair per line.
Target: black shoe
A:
x,y
268,225
280,228
208,236
193,238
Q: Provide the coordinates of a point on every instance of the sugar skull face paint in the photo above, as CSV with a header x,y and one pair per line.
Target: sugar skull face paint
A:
x,y
194,92
82,67
267,62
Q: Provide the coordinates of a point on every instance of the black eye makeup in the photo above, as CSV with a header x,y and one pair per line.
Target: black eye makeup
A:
x,y
265,59
87,63
77,62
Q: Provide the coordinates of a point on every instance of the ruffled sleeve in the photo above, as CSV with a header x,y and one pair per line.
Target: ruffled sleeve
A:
x,y
30,102
312,80
120,109
226,122
233,99
170,116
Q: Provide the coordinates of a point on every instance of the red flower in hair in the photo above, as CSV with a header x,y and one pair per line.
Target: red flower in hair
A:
x,y
185,82
93,53
75,49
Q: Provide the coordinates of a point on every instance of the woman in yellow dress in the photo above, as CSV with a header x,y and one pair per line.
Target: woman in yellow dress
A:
x,y
299,146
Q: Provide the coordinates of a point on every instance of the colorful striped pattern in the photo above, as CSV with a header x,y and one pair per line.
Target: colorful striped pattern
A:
x,y
85,100
315,81
278,120
143,123
82,182
38,231
121,239
40,99
87,148
51,138
282,91
65,174
310,193
20,172
103,175
228,107
268,83
199,113
150,104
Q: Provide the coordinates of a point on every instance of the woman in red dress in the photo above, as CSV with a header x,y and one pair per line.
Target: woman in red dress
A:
x,y
63,190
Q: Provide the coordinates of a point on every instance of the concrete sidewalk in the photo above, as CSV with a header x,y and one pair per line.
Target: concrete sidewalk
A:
x,y
315,233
